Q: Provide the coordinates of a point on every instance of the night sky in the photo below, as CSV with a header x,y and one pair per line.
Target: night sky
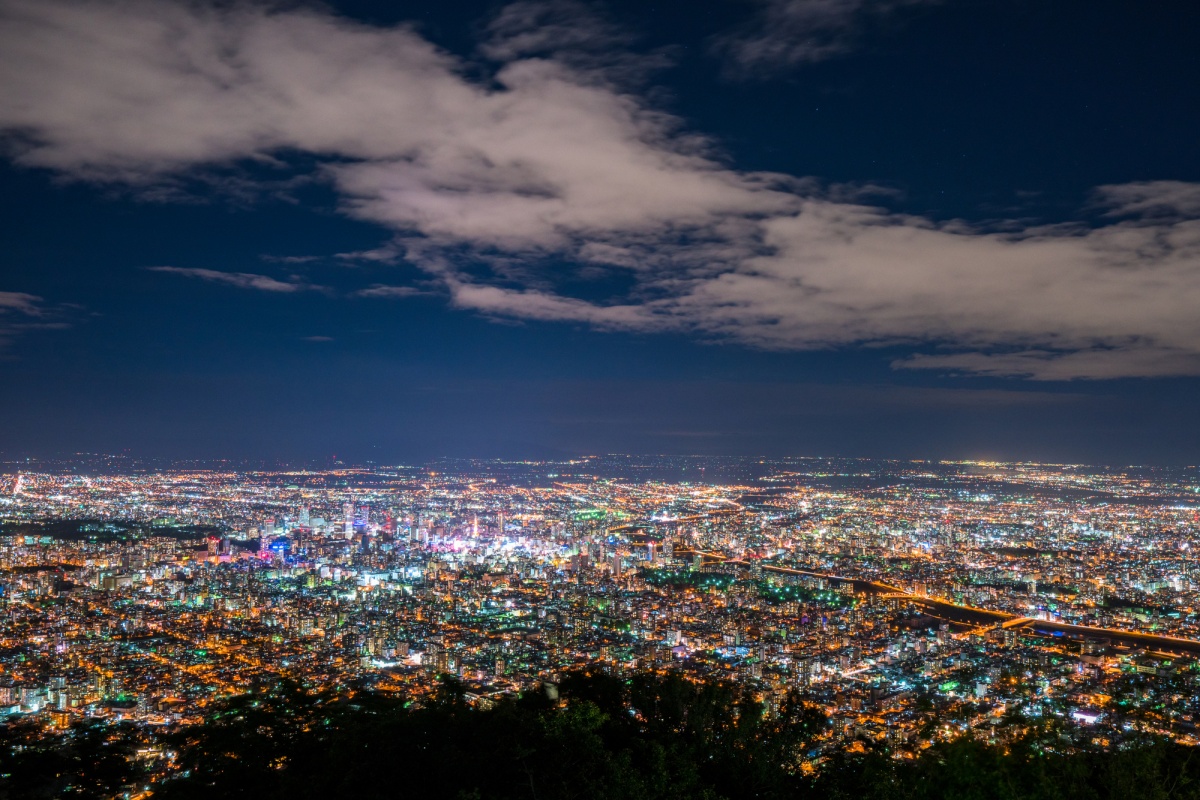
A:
x,y
393,231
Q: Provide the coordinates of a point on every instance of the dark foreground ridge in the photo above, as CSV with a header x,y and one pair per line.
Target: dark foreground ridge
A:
x,y
591,736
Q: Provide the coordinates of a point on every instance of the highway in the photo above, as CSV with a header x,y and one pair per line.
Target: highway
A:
x,y
986,618
952,612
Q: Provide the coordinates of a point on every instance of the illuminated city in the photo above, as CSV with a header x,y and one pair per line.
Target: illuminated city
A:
x,y
912,602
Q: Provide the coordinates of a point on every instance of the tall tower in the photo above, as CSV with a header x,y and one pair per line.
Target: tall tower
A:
x,y
348,518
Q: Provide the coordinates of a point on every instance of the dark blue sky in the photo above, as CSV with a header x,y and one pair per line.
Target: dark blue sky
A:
x,y
394,231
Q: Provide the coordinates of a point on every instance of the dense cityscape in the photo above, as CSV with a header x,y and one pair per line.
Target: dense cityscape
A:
x,y
910,602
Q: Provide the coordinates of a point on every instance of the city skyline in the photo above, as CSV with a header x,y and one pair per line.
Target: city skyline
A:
x,y
392,233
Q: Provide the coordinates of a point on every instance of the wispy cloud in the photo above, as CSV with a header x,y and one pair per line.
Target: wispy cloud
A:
x,y
1176,199
291,259
383,290
29,305
21,313
549,27
1131,361
509,189
788,32
242,280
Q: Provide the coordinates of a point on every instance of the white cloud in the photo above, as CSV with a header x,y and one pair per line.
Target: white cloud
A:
x,y
1151,198
788,32
21,312
242,280
532,304
1096,363
500,187
384,290
291,259
535,28
29,305
838,274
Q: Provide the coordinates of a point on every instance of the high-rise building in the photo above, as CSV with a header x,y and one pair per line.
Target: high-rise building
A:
x,y
806,670
348,518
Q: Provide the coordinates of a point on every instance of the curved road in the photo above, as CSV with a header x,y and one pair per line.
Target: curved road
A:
x,y
953,612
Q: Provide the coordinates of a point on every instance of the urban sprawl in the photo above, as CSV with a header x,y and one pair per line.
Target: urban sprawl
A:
x,y
913,602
